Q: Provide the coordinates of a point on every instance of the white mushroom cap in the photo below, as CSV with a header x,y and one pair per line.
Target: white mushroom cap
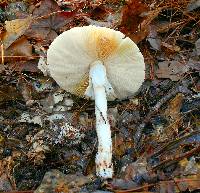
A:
x,y
70,55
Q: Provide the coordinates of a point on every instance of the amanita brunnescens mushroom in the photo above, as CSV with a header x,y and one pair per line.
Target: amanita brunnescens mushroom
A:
x,y
99,63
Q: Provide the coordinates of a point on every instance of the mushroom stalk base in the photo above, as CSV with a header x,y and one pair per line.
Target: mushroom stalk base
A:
x,y
100,85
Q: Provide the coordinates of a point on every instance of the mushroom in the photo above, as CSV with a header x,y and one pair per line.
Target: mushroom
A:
x,y
99,63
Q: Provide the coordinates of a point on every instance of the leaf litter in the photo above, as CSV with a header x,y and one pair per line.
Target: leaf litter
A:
x,y
155,134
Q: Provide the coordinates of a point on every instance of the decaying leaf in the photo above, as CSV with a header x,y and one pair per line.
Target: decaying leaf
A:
x,y
132,18
143,27
122,185
8,93
21,49
48,18
38,149
174,107
173,114
111,21
120,145
153,39
132,15
15,29
171,69
136,168
22,64
56,182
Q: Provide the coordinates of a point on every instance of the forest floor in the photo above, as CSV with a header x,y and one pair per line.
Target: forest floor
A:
x,y
156,134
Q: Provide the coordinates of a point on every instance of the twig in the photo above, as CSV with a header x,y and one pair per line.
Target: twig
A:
x,y
32,56
2,54
31,191
176,158
171,144
173,92
144,187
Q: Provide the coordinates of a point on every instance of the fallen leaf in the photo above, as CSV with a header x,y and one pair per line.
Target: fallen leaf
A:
x,y
14,29
193,65
121,184
153,38
136,168
173,114
171,69
100,12
143,27
132,19
20,49
48,18
56,182
120,145
174,107
77,5
8,93
23,65
167,186
131,15
110,21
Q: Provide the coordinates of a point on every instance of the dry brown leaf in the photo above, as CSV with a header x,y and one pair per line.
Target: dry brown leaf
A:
x,y
8,93
15,29
23,65
21,47
131,15
18,25
143,28
173,113
174,107
153,38
171,69
57,182
132,18
48,18
120,145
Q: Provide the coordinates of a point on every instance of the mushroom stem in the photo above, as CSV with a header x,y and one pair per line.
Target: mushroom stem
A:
x,y
100,84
